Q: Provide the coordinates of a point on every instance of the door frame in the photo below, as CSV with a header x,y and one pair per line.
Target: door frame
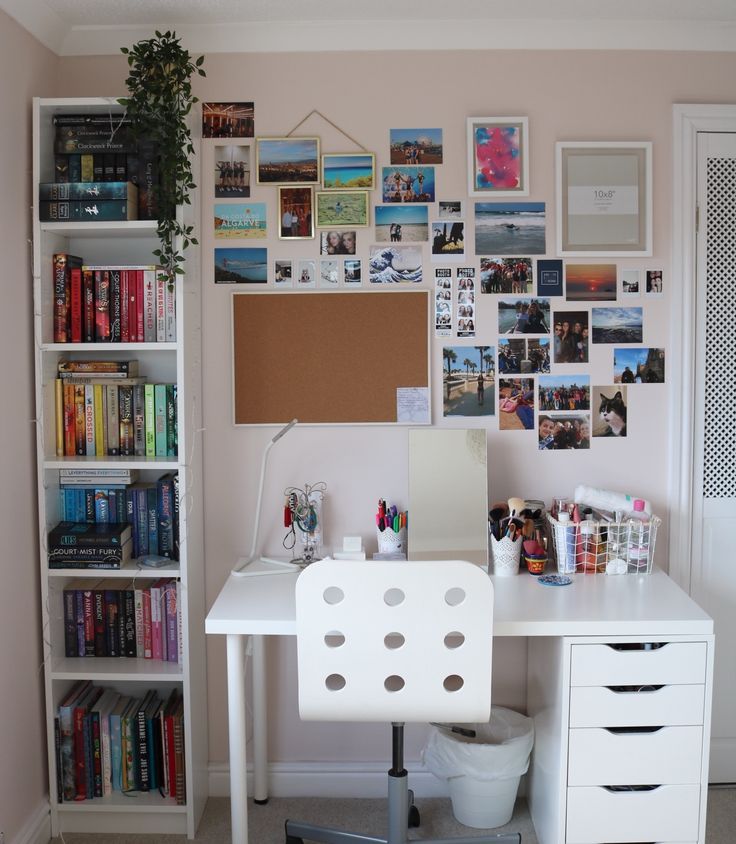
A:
x,y
688,121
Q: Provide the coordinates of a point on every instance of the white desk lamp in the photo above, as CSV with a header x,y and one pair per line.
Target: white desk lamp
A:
x,y
255,564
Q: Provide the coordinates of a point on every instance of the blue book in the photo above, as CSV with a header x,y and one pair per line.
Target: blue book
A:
x,y
152,511
116,746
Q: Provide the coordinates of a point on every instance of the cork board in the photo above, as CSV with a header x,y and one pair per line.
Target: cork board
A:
x,y
334,357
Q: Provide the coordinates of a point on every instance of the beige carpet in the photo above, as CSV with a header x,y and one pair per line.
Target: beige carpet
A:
x,y
266,823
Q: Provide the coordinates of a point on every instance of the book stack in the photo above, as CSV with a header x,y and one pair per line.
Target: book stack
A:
x,y
100,149
104,408
124,620
79,545
110,742
111,303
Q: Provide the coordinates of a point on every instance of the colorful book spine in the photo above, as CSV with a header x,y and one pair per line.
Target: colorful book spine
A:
x,y
89,420
160,419
149,306
76,305
150,420
62,264
102,306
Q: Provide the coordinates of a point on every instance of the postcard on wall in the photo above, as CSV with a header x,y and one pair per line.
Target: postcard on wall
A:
x,y
241,266
654,283
609,411
448,240
329,272
563,431
516,399
412,404
590,282
401,223
397,264
240,220
468,381
506,275
523,315
352,272
282,274
415,146
638,366
333,242
630,283
227,120
549,277
450,209
570,337
407,184
564,392
617,325
306,274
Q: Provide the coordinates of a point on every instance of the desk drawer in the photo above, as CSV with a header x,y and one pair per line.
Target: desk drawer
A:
x,y
667,813
671,755
633,706
671,664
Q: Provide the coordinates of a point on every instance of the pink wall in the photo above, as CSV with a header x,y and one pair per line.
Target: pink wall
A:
x,y
567,96
26,70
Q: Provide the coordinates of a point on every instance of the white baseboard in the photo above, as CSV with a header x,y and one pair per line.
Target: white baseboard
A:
x,y
328,779
332,779
37,828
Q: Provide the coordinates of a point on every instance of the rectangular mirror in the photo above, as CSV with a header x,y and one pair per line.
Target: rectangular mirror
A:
x,y
448,495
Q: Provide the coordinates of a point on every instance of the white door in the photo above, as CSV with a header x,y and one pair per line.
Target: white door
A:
x,y
713,572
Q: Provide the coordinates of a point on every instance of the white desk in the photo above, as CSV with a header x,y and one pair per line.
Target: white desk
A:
x,y
595,610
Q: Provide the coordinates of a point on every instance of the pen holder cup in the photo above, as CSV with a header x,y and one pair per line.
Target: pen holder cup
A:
x,y
506,555
391,541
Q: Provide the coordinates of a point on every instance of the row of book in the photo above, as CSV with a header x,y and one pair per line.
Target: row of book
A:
x,y
111,303
111,417
124,620
102,148
111,742
92,531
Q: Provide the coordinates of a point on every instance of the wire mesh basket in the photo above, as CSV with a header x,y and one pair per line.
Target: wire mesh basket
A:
x,y
597,547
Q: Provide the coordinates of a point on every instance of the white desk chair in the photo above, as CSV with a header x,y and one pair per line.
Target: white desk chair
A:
x,y
393,641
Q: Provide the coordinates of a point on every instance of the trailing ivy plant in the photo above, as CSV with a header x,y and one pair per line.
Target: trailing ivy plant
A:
x,y
158,102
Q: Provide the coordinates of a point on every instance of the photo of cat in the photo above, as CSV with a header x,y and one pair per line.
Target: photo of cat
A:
x,y
609,411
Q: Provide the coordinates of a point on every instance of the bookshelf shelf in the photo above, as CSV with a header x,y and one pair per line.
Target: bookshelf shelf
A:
x,y
125,244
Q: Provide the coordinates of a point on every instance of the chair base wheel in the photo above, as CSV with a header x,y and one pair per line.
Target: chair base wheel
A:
x,y
414,818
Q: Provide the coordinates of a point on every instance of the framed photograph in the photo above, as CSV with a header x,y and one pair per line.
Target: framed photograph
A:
x,y
498,158
604,198
349,171
293,161
343,209
296,213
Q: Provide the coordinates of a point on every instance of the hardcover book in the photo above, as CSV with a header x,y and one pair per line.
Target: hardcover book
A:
x,y
62,264
72,210
83,535
98,368
48,191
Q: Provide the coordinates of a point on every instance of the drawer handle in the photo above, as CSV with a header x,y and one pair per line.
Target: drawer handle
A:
x,y
621,731
636,646
616,789
624,690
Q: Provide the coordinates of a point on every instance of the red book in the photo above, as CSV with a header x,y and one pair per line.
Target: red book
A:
x,y
88,306
139,288
124,306
62,263
76,305
102,306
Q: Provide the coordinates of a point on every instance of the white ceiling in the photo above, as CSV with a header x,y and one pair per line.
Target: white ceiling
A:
x,y
90,27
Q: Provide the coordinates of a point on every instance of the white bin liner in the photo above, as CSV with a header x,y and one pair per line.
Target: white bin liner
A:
x,y
500,749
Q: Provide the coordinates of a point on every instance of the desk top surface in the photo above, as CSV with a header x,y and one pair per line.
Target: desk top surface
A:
x,y
593,605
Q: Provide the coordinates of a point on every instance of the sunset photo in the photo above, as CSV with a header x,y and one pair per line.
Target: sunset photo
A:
x,y
590,282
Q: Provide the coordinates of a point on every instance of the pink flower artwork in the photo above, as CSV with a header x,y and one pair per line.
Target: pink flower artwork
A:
x,y
498,157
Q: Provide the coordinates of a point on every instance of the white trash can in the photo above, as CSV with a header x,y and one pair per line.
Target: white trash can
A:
x,y
483,771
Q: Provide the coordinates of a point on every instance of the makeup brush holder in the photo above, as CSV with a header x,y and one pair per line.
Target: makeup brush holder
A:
x,y
505,555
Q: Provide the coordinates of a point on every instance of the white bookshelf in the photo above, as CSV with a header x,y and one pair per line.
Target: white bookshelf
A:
x,y
178,362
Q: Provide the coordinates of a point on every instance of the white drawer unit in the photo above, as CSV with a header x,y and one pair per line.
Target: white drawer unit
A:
x,y
669,813
648,663
636,705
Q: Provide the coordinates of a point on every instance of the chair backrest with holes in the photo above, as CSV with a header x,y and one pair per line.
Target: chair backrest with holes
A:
x,y
394,641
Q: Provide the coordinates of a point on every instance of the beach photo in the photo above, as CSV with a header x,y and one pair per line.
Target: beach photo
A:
x,y
401,223
523,316
448,240
232,171
415,146
450,209
395,265
407,184
638,366
617,325
241,266
468,381
292,160
560,432
227,120
239,220
515,404
346,208
564,392
334,242
510,228
590,282
349,171
506,275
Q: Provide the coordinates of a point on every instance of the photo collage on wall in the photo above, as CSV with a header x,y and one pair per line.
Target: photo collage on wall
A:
x,y
547,318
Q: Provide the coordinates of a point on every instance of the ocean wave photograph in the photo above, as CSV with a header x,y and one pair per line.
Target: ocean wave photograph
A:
x,y
510,228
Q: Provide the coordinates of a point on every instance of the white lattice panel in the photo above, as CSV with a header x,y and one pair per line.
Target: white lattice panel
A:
x,y
719,451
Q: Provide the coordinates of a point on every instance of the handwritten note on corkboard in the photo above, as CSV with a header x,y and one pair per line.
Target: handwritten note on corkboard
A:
x,y
335,357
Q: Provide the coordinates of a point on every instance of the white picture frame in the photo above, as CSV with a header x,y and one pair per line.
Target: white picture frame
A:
x,y
604,198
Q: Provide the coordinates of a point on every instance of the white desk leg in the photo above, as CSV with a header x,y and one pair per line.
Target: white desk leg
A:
x,y
236,723
260,721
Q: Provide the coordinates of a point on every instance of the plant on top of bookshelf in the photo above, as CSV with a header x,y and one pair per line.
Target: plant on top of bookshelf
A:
x,y
160,98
